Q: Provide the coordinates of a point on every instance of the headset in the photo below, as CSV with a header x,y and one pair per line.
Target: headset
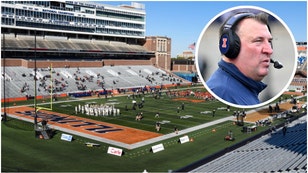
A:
x,y
229,42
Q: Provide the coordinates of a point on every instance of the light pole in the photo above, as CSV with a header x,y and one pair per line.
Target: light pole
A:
x,y
35,89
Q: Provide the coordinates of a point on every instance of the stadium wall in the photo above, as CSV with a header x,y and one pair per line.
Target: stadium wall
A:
x,y
17,99
183,67
163,61
127,62
70,63
12,62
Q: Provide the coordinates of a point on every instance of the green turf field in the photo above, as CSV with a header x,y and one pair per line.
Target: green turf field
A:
x,y
166,106
21,151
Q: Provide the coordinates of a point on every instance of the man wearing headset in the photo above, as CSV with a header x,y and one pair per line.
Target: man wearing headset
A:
x,y
245,44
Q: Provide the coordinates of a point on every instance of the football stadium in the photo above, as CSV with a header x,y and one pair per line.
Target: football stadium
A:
x,y
84,89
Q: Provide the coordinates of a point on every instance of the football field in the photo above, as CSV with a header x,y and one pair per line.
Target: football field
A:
x,y
21,151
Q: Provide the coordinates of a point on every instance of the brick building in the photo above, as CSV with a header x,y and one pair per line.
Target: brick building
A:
x,y
162,48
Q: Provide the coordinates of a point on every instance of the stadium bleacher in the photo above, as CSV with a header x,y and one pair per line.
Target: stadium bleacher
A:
x,y
20,80
60,43
273,152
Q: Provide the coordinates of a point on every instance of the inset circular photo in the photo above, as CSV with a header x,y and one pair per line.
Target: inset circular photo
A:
x,y
246,57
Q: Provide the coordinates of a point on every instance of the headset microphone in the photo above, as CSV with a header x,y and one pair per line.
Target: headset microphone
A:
x,y
277,64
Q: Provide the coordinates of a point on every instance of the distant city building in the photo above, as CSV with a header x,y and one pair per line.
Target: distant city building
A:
x,y
187,55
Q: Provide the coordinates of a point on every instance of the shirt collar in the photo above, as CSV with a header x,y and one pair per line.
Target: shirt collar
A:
x,y
256,86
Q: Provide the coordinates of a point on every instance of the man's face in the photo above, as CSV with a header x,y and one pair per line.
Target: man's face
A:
x,y
254,57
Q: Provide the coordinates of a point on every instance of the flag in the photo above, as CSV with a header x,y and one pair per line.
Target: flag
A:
x,y
192,46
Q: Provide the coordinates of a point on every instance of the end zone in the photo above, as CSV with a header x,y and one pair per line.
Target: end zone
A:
x,y
101,131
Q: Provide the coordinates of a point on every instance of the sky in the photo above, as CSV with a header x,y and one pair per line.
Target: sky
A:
x,y
183,21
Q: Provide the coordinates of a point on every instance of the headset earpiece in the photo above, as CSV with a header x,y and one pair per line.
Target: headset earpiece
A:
x,y
229,42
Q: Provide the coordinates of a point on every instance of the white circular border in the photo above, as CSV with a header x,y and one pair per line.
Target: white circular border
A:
x,y
197,59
